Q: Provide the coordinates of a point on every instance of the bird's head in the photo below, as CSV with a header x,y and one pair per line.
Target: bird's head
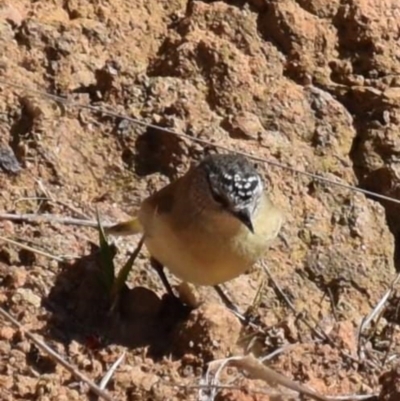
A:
x,y
235,185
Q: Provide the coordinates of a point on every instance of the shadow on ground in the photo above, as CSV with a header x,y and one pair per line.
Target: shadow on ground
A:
x,y
80,310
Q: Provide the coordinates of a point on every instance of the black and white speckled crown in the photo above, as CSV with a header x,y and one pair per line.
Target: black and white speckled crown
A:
x,y
234,181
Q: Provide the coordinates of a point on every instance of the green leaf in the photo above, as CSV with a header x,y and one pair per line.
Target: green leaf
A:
x,y
124,272
106,258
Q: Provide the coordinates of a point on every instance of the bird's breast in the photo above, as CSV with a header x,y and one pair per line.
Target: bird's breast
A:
x,y
209,248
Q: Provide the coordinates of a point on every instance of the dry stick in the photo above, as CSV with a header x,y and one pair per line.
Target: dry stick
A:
x,y
376,311
31,198
380,305
392,337
93,386
257,370
64,101
355,397
278,351
21,241
50,218
274,395
111,371
29,248
70,207
51,198
319,333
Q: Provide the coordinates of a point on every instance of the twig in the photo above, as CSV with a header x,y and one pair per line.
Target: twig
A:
x,y
379,306
278,351
93,386
80,214
111,371
375,312
258,371
214,380
256,299
45,191
272,394
36,243
50,218
52,199
30,198
37,251
320,332
392,337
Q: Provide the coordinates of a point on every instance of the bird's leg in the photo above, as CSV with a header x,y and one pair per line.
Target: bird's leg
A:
x,y
180,310
159,268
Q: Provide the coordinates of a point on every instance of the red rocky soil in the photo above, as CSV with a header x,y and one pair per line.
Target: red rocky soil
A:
x,y
312,84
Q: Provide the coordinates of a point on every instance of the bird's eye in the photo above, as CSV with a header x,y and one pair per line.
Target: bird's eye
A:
x,y
220,199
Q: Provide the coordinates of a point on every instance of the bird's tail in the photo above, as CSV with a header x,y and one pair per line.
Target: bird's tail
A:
x,y
129,227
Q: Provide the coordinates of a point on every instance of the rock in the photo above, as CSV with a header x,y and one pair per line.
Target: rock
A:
x,y
211,331
28,296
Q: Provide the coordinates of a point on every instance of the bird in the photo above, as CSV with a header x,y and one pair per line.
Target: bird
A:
x,y
210,225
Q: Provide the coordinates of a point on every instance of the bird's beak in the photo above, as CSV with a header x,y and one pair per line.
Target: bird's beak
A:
x,y
245,217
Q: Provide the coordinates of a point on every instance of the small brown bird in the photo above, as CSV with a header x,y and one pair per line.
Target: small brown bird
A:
x,y
210,225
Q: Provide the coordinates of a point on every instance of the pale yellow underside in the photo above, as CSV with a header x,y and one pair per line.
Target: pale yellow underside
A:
x,y
213,247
